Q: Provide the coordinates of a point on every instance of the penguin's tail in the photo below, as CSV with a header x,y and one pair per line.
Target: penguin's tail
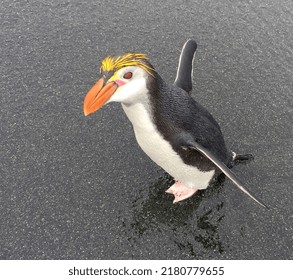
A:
x,y
242,158
185,66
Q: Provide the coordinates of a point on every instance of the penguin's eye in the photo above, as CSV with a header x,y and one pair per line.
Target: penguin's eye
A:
x,y
127,75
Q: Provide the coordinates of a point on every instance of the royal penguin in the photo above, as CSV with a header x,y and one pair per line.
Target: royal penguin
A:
x,y
173,129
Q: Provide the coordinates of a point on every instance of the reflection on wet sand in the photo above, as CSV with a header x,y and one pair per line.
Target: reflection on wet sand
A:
x,y
187,224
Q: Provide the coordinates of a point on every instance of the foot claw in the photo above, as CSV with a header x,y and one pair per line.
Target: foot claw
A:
x,y
180,192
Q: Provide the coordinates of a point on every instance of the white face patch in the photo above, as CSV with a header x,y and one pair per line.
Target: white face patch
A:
x,y
134,89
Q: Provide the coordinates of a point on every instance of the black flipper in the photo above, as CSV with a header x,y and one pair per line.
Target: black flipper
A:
x,y
184,71
186,142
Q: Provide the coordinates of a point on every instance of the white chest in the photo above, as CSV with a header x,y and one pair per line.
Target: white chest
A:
x,y
160,150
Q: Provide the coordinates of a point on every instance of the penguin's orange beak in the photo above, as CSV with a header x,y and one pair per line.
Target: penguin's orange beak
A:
x,y
98,95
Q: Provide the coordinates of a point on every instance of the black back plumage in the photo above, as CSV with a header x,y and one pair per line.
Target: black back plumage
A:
x,y
175,111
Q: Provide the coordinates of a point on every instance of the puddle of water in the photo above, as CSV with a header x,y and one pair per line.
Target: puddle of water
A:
x,y
188,224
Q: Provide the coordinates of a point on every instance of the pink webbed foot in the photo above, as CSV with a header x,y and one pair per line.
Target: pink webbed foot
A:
x,y
180,191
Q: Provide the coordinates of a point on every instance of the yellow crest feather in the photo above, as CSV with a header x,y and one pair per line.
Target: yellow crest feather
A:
x,y
129,59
